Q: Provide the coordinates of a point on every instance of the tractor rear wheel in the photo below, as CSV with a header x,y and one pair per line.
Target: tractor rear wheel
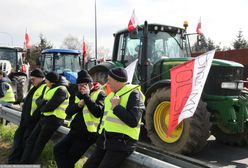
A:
x,y
224,136
21,87
191,134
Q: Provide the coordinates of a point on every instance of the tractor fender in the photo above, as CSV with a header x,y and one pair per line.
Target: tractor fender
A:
x,y
155,86
105,66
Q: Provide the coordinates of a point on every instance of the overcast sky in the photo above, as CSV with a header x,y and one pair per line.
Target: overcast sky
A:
x,y
56,19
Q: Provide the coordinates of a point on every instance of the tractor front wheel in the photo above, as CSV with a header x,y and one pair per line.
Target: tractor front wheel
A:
x,y
191,134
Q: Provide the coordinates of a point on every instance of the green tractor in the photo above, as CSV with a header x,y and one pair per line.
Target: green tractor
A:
x,y
222,110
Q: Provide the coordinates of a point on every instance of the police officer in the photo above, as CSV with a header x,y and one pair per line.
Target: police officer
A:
x,y
85,113
56,100
120,126
30,115
6,92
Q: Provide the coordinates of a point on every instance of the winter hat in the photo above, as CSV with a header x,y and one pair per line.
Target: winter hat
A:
x,y
119,74
53,77
84,77
37,73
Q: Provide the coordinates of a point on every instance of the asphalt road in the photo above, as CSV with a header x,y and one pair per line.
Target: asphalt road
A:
x,y
223,155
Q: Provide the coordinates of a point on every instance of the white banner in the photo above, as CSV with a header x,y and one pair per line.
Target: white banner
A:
x,y
130,70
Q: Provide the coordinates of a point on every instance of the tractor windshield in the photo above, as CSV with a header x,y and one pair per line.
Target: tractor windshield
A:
x,y
8,55
165,45
62,62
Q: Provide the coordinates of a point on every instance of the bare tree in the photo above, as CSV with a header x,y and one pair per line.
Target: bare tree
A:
x,y
71,42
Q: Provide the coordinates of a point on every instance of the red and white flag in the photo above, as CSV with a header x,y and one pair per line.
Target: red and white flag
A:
x,y
27,41
199,28
133,22
187,82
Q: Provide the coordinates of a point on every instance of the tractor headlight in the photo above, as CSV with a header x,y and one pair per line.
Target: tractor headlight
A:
x,y
232,85
240,86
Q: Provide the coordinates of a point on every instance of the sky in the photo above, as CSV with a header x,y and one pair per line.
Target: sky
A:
x,y
57,19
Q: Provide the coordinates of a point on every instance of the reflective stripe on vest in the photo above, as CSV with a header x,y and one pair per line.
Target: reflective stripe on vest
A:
x,y
90,120
111,123
59,112
9,95
36,95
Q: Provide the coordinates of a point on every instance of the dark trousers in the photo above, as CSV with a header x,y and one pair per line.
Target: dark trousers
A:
x,y
41,134
69,150
106,158
21,135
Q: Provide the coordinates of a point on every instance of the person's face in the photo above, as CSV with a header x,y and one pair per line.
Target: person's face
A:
x,y
112,84
1,77
35,80
82,86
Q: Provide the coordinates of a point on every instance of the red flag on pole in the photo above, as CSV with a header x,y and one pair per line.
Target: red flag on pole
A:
x,y
27,41
198,28
84,48
187,82
133,22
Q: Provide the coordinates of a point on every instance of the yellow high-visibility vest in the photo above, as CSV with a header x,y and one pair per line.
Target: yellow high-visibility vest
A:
x,y
36,95
111,123
9,96
90,120
59,112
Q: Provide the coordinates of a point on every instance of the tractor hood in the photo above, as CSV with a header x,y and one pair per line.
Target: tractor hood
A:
x,y
216,62
71,77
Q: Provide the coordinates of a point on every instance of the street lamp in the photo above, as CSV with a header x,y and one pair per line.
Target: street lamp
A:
x,y
9,35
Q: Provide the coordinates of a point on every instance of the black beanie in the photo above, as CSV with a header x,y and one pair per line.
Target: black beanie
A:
x,y
53,77
37,73
84,77
119,74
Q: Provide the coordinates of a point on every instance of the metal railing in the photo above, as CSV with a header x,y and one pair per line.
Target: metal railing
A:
x,y
135,160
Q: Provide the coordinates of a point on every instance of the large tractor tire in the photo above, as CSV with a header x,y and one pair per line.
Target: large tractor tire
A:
x,y
223,135
21,87
191,134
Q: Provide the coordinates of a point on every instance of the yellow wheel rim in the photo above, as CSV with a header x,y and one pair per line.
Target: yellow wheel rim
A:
x,y
161,120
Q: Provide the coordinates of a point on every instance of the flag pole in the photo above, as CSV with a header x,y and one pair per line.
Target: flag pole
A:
x,y
95,33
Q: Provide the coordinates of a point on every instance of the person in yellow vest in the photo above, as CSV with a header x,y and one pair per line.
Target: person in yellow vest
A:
x,y
7,95
30,115
85,114
52,116
120,125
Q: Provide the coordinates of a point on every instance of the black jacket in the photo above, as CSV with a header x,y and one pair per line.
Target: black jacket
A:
x,y
26,118
78,127
130,116
59,96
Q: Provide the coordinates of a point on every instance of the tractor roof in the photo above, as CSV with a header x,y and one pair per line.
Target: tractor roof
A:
x,y
61,51
152,25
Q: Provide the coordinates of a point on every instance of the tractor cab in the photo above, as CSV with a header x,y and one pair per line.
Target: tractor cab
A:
x,y
63,61
151,44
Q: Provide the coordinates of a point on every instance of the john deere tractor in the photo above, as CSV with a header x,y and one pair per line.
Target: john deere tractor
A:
x,y
222,109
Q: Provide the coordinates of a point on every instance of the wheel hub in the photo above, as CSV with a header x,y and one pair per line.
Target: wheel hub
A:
x,y
161,121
